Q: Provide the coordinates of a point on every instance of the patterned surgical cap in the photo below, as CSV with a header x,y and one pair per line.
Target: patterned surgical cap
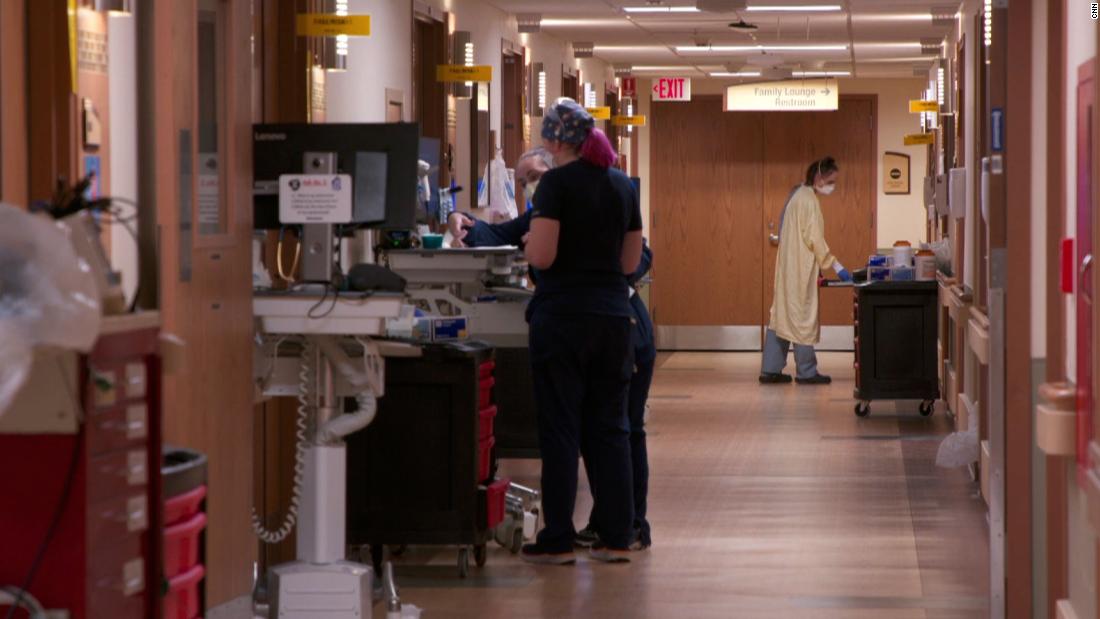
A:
x,y
566,121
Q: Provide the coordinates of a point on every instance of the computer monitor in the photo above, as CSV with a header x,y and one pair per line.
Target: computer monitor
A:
x,y
380,158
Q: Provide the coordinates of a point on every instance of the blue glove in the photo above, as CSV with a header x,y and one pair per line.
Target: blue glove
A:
x,y
844,275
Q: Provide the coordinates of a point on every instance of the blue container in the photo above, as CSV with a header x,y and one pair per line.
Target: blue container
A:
x,y
903,274
876,260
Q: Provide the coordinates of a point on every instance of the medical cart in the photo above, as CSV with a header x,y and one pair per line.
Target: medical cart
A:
x,y
895,343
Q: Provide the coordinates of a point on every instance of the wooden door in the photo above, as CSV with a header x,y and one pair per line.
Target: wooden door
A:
x,y
430,101
201,159
792,140
707,176
1086,105
511,101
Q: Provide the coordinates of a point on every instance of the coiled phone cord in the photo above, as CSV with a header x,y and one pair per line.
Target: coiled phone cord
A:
x,y
305,379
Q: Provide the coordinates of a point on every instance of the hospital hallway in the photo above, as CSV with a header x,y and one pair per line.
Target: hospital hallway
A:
x,y
769,501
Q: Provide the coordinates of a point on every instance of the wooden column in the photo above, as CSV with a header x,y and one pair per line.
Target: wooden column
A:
x,y
13,103
52,119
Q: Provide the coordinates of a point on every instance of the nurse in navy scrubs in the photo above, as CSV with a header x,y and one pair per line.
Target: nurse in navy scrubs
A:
x,y
530,168
586,237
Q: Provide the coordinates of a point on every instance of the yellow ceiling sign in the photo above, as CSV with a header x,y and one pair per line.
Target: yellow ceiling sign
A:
x,y
916,139
600,113
628,121
918,107
328,25
462,73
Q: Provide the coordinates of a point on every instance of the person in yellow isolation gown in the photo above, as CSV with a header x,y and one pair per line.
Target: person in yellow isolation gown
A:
x,y
803,253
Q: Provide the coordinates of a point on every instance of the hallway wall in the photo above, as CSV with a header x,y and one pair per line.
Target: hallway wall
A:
x,y
898,216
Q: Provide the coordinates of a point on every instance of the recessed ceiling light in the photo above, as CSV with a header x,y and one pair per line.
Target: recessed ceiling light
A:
x,y
762,48
660,9
800,8
665,68
735,74
595,23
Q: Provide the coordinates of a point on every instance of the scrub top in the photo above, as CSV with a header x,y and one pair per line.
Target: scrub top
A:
x,y
596,207
803,252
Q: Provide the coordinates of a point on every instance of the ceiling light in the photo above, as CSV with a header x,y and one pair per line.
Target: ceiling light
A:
x,y
945,16
629,48
940,83
763,48
800,8
529,22
931,46
585,23
665,68
583,49
622,71
822,74
988,23
660,9
735,74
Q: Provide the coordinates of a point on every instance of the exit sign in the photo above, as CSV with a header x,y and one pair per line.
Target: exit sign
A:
x,y
672,89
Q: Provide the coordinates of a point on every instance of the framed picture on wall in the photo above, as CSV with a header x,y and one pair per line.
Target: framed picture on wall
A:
x,y
895,168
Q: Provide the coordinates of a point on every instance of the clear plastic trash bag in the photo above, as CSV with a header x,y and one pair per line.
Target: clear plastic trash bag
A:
x,y
48,295
958,449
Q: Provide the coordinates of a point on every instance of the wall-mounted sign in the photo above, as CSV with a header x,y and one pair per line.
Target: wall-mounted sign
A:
x,y
600,113
672,89
315,198
628,121
792,96
630,87
895,170
328,25
462,73
916,139
919,107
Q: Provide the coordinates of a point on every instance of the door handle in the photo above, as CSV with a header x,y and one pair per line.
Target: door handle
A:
x,y
1086,264
774,238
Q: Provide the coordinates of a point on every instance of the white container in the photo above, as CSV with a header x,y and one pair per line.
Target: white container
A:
x,y
926,265
903,254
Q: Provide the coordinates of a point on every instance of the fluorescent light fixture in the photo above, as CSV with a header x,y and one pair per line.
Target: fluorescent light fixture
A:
x,y
542,90
583,49
660,9
762,48
891,17
940,82
581,23
988,23
821,74
589,95
629,48
735,74
630,112
342,39
888,45
796,8
664,68
468,58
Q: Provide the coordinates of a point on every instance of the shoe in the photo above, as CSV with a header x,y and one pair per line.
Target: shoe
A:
x,y
640,544
606,554
767,378
541,555
586,537
819,379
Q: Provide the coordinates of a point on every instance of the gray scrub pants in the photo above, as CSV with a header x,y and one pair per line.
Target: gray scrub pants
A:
x,y
775,356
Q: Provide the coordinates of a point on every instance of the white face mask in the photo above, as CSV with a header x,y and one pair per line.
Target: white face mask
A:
x,y
826,189
529,190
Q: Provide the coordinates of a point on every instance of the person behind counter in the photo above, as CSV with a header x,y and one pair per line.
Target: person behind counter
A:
x,y
803,252
531,166
469,232
586,236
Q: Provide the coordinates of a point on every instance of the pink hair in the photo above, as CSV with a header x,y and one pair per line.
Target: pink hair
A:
x,y
598,151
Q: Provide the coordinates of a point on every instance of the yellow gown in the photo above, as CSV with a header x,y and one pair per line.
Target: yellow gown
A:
x,y
803,252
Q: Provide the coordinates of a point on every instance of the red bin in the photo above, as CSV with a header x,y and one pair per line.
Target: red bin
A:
x,y
181,545
182,599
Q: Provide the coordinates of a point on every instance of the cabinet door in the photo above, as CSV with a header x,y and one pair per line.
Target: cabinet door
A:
x,y
1086,100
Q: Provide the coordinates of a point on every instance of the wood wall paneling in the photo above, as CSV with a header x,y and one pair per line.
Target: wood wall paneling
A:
x,y
706,180
52,120
13,104
208,405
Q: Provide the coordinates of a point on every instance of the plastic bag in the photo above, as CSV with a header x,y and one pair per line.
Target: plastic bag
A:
x,y
502,192
958,449
48,295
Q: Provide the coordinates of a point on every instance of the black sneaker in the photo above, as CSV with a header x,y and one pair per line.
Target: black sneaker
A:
x,y
767,378
606,554
586,537
640,544
541,555
819,379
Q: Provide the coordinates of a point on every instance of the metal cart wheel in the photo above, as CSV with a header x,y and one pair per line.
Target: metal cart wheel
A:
x,y
463,562
397,551
517,541
927,407
863,409
481,555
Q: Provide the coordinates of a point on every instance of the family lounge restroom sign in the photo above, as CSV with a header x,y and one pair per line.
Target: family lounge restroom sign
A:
x,y
792,96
